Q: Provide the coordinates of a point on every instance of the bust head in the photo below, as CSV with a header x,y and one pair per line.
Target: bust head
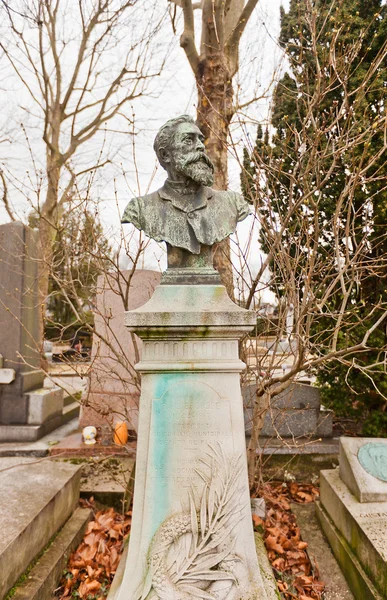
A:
x,y
179,146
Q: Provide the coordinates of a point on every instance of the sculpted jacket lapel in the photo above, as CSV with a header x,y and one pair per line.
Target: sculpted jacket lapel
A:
x,y
174,224
180,202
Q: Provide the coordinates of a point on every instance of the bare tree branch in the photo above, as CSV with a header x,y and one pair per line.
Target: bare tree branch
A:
x,y
239,28
187,39
4,199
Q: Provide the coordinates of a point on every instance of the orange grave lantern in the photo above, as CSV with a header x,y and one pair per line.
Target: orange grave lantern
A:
x,y
121,433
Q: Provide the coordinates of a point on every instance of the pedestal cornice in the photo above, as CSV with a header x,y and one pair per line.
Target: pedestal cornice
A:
x,y
190,311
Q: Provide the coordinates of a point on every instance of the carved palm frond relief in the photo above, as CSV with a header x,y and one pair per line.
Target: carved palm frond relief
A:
x,y
192,555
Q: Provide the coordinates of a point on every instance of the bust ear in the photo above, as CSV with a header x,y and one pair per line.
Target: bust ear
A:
x,y
164,155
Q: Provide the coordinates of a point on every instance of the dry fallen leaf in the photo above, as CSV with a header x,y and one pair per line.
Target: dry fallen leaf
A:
x,y
92,566
286,550
258,522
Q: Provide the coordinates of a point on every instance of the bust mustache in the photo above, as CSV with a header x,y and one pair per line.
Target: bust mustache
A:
x,y
197,166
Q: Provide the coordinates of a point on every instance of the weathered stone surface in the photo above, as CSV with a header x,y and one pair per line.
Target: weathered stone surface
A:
x,y
114,387
7,376
363,485
294,412
198,311
362,525
39,499
20,316
285,423
110,483
269,582
45,575
357,579
326,449
289,423
38,448
296,396
191,422
44,404
32,380
325,423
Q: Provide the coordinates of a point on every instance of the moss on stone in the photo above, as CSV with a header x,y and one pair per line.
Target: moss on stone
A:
x,y
24,576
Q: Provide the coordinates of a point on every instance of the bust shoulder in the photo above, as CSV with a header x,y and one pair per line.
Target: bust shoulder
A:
x,y
135,208
152,197
232,201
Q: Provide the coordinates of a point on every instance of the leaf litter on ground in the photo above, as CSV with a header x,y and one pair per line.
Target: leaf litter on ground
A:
x,y
296,574
92,566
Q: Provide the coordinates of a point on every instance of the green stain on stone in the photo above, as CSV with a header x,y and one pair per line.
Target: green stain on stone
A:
x,y
161,428
373,458
170,412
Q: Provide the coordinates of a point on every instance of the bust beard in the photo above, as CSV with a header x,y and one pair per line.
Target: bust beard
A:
x,y
196,166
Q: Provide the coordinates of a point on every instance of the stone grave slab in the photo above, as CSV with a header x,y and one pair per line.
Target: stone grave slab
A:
x,y
362,483
295,412
362,524
357,579
36,500
46,574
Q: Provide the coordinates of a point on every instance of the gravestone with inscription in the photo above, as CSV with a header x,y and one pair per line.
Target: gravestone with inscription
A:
x,y
353,514
192,534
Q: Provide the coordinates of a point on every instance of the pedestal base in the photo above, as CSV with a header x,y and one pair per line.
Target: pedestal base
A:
x,y
266,573
357,534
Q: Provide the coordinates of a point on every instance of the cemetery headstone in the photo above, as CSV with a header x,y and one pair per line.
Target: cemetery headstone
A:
x,y
295,412
192,534
27,410
114,384
353,514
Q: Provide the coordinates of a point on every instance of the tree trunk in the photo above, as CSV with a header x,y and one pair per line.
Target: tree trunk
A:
x,y
261,406
48,228
214,114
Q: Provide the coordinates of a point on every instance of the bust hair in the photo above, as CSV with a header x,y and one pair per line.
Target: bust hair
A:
x,y
166,132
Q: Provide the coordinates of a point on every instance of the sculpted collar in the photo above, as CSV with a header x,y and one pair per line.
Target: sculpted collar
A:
x,y
185,203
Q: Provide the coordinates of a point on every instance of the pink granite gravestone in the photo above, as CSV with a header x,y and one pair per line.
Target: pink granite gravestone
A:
x,y
114,383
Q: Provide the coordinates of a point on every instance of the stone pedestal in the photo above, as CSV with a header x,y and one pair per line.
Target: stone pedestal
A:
x,y
192,534
353,515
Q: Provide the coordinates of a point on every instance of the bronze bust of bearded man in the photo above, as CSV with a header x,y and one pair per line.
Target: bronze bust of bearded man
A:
x,y
186,212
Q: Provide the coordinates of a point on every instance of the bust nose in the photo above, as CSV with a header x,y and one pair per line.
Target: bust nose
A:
x,y
200,145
